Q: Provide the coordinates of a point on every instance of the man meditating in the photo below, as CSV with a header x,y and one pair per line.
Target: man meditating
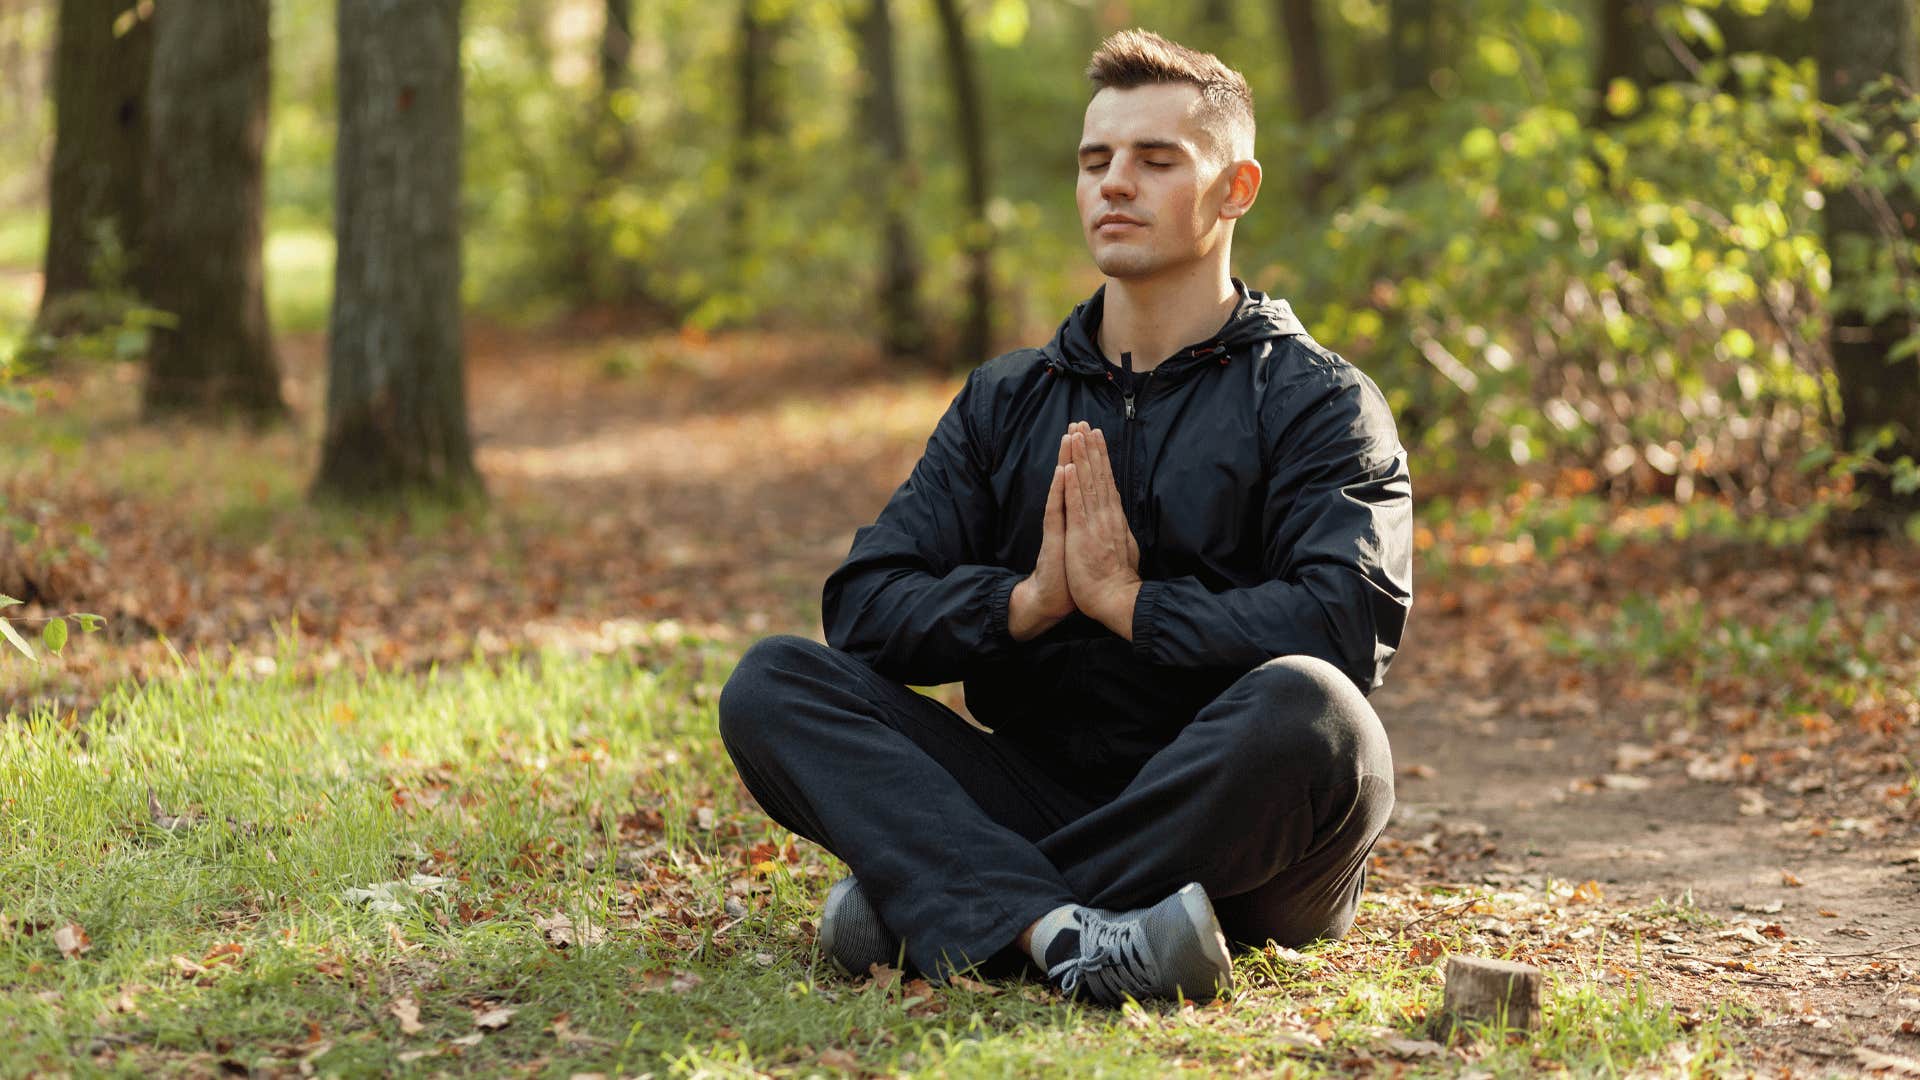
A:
x,y
1169,553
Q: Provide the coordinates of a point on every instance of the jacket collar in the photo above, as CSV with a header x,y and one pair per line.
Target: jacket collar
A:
x,y
1257,318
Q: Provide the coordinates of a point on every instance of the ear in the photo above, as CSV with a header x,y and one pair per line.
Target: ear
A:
x,y
1243,186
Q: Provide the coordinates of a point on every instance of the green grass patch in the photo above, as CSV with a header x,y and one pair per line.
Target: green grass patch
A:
x,y
364,873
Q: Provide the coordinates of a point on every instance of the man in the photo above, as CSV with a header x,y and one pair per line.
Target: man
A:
x,y
1169,553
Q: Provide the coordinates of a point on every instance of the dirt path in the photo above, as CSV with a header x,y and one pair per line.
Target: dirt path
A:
x,y
1526,798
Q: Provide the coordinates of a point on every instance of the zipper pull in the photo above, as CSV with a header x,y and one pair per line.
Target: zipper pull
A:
x,y
1129,401
1126,364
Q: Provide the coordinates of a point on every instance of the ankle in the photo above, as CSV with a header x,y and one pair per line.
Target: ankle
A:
x,y
1051,934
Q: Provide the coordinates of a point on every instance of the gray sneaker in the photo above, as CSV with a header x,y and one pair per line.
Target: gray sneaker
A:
x,y
1172,949
851,933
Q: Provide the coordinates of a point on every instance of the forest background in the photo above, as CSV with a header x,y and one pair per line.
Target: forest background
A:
x,y
682,288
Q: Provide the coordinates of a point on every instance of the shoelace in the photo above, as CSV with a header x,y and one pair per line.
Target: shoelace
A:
x,y
1113,961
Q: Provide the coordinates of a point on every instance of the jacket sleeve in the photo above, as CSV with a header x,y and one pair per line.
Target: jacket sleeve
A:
x,y
1338,519
916,598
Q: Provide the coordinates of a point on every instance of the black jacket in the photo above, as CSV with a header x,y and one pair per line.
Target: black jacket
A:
x,y
1266,486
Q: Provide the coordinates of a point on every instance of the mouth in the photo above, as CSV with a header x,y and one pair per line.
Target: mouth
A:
x,y
1110,224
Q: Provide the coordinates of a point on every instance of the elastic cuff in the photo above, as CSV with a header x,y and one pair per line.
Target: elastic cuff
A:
x,y
999,605
1144,604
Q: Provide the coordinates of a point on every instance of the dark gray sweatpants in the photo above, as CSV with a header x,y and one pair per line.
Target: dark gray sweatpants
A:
x,y
1271,799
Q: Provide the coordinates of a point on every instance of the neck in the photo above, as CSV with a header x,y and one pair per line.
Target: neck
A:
x,y
1151,317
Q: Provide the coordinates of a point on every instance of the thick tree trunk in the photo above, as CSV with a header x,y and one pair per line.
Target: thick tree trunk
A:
x,y
976,342
101,60
396,393
1312,87
209,93
1857,43
902,329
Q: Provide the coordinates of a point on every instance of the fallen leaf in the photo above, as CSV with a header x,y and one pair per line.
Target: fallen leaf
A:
x,y
1413,1048
561,932
1789,879
972,985
407,1011
1897,1064
1418,772
495,1018
72,940
1625,782
837,1058
1425,952
1588,892
883,976
467,1040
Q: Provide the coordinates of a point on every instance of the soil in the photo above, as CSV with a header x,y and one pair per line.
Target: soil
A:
x,y
1547,796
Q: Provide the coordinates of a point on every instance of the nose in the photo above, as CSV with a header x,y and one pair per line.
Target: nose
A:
x,y
1117,182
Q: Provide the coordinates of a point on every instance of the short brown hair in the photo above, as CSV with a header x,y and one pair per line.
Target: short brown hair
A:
x,y
1133,58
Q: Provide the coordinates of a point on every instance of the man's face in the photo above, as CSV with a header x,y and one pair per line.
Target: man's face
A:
x,y
1145,158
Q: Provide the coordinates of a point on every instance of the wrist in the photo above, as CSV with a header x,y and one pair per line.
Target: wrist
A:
x,y
1115,608
1028,615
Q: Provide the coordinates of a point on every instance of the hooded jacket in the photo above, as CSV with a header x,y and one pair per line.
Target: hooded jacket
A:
x,y
1262,477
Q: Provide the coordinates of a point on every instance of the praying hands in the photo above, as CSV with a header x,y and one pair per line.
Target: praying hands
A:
x,y
1088,560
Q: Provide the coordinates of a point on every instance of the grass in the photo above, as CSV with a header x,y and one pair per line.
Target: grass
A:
x,y
583,786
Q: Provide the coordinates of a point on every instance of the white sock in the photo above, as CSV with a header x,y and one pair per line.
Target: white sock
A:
x,y
1049,927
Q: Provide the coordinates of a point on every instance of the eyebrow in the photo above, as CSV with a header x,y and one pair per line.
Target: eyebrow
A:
x,y
1138,144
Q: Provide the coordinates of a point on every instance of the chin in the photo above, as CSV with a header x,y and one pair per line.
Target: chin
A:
x,y
1127,264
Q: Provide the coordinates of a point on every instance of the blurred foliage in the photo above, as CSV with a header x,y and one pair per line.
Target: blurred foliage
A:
x,y
1627,281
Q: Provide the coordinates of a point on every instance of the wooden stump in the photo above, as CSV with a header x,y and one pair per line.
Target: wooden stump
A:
x,y
1497,993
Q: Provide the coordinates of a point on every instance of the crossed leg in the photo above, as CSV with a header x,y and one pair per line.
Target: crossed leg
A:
x,y
1270,798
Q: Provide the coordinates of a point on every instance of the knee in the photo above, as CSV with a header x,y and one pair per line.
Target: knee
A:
x,y
752,699
1305,713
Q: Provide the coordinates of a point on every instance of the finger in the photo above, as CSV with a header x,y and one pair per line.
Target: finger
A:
x,y
1071,496
1066,448
1083,471
1056,500
1102,461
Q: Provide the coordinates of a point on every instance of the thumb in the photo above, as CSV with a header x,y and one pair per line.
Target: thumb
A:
x,y
1056,502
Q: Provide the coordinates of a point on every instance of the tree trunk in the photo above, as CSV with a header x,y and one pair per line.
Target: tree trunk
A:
x,y
757,121
209,93
976,342
1857,43
1410,45
396,394
902,329
101,58
1312,88
616,75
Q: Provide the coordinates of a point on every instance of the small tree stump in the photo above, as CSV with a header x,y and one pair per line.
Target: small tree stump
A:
x,y
1498,993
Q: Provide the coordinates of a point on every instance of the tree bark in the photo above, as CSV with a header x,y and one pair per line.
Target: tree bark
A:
x,y
1857,43
976,342
210,87
396,393
902,329
101,59
757,120
1312,87
616,75
1410,45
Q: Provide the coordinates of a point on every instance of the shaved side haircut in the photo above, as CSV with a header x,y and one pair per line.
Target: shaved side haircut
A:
x,y
1133,58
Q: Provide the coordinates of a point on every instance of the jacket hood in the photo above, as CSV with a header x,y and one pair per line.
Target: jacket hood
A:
x,y
1257,318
